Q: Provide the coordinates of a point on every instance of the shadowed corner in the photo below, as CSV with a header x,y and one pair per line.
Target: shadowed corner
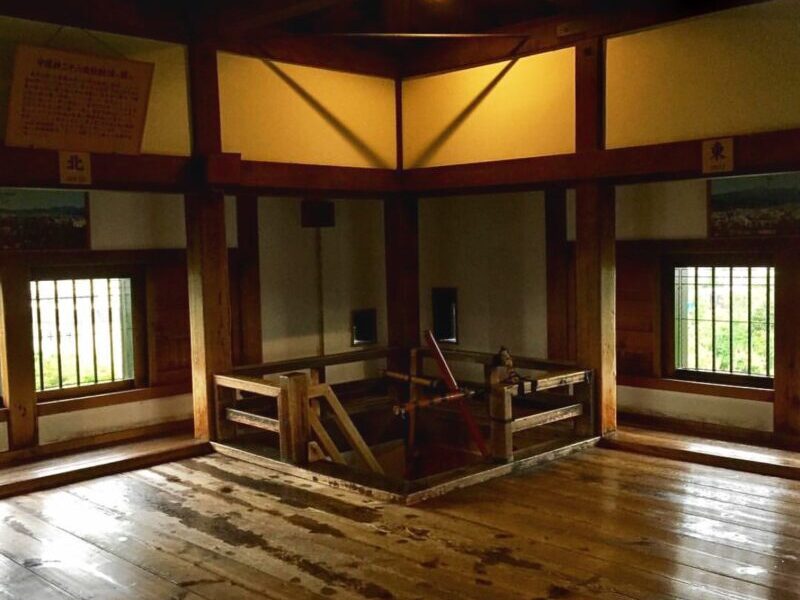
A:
x,y
451,128
348,134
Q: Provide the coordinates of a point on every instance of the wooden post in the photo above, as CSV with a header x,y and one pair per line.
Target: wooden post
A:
x,y
400,215
16,355
501,415
786,413
596,288
209,303
595,262
206,249
293,407
558,270
249,278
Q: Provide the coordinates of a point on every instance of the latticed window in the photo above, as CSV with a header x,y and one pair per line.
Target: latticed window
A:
x,y
82,332
725,320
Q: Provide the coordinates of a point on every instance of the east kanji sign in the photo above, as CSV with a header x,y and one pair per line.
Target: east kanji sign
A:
x,y
79,102
718,156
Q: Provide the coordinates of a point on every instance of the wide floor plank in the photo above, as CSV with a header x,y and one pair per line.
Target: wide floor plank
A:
x,y
602,524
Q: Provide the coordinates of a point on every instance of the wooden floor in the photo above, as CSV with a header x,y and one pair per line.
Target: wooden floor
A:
x,y
601,524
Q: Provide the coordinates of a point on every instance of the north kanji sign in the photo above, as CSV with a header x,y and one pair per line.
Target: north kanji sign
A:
x,y
718,156
65,100
75,168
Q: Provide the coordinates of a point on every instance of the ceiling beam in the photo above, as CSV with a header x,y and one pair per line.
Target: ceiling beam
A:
x,y
548,34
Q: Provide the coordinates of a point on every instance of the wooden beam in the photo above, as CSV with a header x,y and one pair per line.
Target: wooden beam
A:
x,y
771,152
401,230
16,356
25,167
787,341
249,278
558,269
302,180
596,288
207,251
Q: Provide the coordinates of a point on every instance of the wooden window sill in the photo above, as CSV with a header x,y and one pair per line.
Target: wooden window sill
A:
x,y
56,407
696,387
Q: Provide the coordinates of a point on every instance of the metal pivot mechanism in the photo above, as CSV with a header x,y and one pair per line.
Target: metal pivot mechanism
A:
x,y
446,389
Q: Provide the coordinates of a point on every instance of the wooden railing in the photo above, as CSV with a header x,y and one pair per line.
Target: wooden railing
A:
x,y
578,404
298,407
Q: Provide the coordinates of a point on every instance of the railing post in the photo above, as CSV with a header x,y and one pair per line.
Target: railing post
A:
x,y
293,418
500,412
226,398
584,393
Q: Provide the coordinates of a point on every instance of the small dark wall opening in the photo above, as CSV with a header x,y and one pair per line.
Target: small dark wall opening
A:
x,y
364,327
445,314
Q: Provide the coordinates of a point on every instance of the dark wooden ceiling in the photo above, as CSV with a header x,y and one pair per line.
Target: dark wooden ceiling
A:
x,y
335,33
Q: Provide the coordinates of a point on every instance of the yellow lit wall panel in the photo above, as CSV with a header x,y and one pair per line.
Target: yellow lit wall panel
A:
x,y
280,112
500,111
731,72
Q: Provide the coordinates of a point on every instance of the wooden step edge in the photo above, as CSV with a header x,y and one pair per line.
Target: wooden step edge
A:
x,y
720,458
136,460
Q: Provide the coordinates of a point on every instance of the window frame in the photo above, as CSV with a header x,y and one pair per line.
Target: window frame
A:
x,y
669,264
136,273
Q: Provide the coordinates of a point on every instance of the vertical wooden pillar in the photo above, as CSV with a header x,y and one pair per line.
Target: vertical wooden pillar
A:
x,y
209,303
207,251
596,288
558,270
787,342
249,278
400,215
595,261
16,356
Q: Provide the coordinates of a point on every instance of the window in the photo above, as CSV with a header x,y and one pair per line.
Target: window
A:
x,y
364,327
445,314
724,324
83,333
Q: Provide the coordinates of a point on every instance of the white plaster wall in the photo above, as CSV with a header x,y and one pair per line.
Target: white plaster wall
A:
x,y
492,248
354,277
352,255
3,437
137,220
656,211
77,424
730,412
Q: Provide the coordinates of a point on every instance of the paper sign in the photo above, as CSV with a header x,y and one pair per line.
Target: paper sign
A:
x,y
718,156
75,168
66,100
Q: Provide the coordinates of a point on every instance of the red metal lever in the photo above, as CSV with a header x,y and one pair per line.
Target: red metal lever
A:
x,y
452,385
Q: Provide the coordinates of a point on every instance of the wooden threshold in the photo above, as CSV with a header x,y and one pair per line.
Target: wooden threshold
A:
x,y
715,453
54,472
412,492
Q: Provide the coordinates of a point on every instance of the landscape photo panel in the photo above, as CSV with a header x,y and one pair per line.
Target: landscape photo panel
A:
x,y
43,220
767,205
